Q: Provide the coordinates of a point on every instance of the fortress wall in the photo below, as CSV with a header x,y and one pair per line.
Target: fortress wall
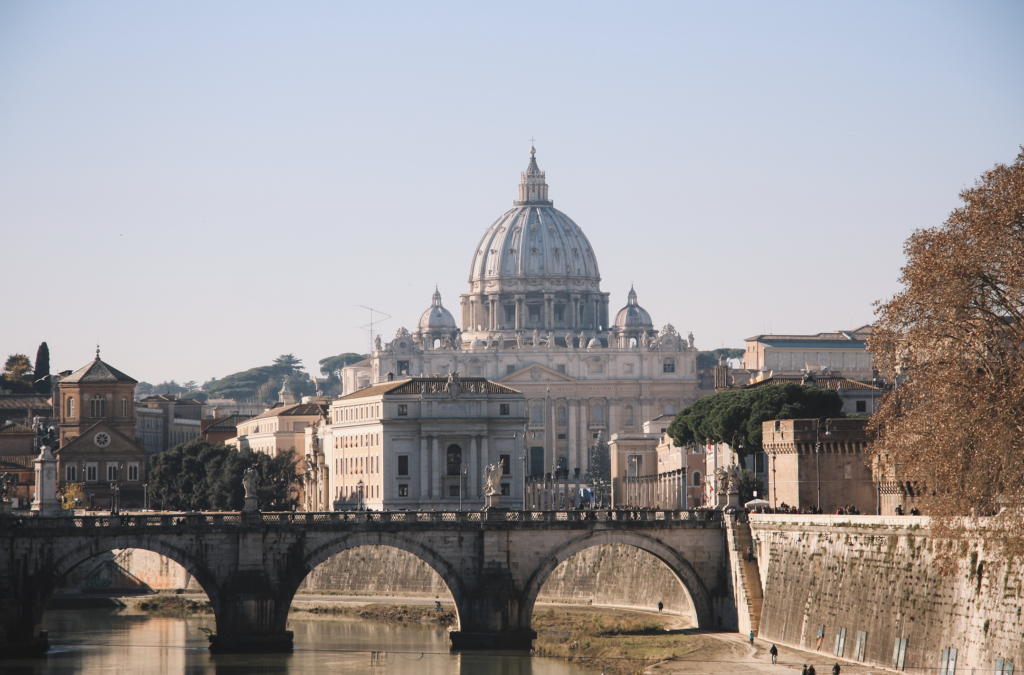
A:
x,y
615,575
877,575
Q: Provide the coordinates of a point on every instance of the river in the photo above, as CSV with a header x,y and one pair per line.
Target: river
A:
x,y
98,641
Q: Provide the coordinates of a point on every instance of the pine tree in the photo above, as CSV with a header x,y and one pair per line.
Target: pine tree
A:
x,y
42,369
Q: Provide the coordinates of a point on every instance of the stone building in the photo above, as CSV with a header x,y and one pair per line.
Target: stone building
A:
x,y
97,436
278,429
222,429
164,421
535,319
650,471
841,473
839,352
417,443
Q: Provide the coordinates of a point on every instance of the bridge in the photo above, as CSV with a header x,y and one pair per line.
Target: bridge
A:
x,y
251,564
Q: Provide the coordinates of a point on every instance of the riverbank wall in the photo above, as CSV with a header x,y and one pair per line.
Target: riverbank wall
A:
x,y
867,589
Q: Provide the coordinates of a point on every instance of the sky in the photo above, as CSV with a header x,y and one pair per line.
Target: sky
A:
x,y
200,187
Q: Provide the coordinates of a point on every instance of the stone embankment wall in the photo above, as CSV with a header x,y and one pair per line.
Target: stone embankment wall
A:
x,y
614,575
875,578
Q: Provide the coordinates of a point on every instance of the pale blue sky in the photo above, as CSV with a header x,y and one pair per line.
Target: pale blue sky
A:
x,y
203,186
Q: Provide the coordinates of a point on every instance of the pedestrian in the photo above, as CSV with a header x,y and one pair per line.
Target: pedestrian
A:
x,y
804,671
811,670
661,606
836,669
774,651
751,636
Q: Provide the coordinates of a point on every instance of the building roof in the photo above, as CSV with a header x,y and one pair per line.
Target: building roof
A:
x,y
15,428
97,371
633,315
835,383
227,423
295,410
431,385
24,401
172,398
854,337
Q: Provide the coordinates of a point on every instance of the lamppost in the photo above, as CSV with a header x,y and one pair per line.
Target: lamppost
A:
x,y
359,495
775,486
463,470
817,451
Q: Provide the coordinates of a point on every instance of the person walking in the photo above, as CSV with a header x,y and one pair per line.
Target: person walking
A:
x,y
751,636
804,671
661,606
836,669
811,670
774,651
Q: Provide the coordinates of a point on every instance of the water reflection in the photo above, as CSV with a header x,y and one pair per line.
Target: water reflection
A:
x,y
101,641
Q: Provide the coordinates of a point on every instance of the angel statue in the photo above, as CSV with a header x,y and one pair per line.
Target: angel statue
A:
x,y
492,479
536,338
568,340
249,479
519,339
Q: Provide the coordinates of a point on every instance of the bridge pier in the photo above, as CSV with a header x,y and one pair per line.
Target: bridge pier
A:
x,y
489,617
20,637
251,622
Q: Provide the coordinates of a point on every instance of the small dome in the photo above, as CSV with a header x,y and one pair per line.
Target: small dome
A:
x,y
633,315
594,343
437,318
477,343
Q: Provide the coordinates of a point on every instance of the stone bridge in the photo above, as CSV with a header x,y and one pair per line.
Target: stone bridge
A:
x,y
251,565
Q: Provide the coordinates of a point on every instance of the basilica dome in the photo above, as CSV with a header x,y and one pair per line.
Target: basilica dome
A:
x,y
437,318
534,244
633,315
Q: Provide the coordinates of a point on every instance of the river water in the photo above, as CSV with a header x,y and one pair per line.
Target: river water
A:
x,y
96,641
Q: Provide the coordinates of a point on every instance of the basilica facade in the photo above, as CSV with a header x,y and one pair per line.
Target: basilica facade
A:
x,y
536,320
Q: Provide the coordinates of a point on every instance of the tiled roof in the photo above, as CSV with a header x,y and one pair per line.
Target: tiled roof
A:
x,y
17,462
431,385
294,410
172,398
856,335
24,401
15,428
226,423
821,382
97,371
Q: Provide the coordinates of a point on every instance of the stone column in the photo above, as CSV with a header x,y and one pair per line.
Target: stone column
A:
x,y
435,489
613,415
474,471
485,458
549,310
570,420
519,311
424,467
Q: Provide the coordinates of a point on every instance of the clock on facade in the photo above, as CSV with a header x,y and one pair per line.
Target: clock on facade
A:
x,y
101,439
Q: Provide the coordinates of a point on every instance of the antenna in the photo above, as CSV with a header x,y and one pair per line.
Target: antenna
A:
x,y
373,321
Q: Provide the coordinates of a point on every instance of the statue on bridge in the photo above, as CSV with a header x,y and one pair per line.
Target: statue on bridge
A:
x,y
250,478
454,385
7,481
492,485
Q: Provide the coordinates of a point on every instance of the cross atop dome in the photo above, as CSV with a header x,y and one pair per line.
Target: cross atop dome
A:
x,y
533,189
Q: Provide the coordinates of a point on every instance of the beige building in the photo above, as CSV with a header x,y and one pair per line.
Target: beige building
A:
x,y
838,475
164,421
535,319
417,443
839,353
650,471
279,429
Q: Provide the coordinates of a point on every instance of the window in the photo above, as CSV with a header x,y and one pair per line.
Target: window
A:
x,y
696,479
92,472
510,313
862,406
509,370
947,662
453,490
668,366
403,465
71,406
560,368
899,653
99,406
561,416
403,490
629,369
561,437
133,472
71,474
454,461
536,415
506,464
535,313
858,649
503,409
124,407
506,489
403,410
596,368
840,645
629,415
403,367
598,416
111,471
1004,666
559,312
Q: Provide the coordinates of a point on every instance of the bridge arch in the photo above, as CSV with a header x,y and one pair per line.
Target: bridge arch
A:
x,y
348,542
680,567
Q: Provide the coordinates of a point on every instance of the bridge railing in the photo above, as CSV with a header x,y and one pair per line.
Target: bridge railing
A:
x,y
234,518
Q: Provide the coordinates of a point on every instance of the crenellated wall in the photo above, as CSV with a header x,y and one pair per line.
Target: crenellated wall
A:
x,y
876,575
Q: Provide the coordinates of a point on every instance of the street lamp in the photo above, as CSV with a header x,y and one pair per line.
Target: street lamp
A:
x,y
775,486
359,495
817,451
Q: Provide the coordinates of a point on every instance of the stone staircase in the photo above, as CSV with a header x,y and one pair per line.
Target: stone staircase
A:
x,y
749,575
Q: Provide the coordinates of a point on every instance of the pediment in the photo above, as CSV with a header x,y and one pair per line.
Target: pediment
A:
x,y
85,443
535,372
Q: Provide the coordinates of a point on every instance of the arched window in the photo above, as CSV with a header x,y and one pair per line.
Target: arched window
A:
x,y
696,479
561,416
437,343
598,416
71,406
632,343
537,415
99,406
454,460
629,415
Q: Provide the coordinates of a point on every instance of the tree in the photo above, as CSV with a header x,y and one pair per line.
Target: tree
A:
x,y
601,460
709,359
17,367
200,396
203,476
41,372
333,364
952,340
286,364
749,484
725,415
191,385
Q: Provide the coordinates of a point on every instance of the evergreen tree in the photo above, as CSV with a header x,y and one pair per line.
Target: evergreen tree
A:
x,y
42,370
